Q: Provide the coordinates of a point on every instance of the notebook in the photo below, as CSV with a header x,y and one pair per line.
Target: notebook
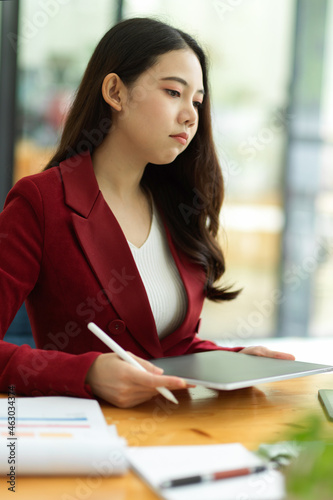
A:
x,y
155,464
233,370
58,435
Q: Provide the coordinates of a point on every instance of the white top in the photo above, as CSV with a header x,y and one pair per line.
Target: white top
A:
x,y
160,276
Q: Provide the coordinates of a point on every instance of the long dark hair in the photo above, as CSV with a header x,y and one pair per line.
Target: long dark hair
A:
x,y
189,190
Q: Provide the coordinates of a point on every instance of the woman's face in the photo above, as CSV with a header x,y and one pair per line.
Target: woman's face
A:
x,y
160,116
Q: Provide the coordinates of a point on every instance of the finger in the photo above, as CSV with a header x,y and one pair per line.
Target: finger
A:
x,y
282,355
152,381
263,351
147,365
134,397
255,350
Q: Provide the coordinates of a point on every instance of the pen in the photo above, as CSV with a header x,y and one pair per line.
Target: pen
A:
x,y
213,476
126,357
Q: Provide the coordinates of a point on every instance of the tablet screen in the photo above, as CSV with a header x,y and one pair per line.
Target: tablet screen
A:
x,y
233,370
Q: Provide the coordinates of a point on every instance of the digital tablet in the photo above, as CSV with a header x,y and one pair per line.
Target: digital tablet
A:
x,y
233,370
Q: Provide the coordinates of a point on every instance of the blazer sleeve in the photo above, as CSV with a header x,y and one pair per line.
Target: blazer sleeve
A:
x,y
199,345
32,371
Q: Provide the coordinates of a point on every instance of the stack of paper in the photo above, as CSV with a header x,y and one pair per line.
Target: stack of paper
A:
x,y
161,463
58,436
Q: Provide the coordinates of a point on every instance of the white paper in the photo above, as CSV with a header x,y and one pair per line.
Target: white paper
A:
x,y
160,463
59,436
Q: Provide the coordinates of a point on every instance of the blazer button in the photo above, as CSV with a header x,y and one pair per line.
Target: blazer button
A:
x,y
116,326
37,393
53,393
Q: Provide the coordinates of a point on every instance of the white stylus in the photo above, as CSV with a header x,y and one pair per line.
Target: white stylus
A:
x,y
126,357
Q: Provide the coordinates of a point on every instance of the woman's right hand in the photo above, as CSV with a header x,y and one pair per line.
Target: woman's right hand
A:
x,y
124,385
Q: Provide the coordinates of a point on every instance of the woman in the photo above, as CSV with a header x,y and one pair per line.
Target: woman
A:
x,y
121,226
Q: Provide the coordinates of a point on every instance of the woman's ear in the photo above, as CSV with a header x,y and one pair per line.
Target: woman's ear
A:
x,y
113,91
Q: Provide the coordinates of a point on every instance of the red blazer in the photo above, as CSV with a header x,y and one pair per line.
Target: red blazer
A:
x,y
63,251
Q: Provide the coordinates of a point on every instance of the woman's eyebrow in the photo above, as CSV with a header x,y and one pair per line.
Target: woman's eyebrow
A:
x,y
182,81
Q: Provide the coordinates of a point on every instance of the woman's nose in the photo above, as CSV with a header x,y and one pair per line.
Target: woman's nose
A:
x,y
188,115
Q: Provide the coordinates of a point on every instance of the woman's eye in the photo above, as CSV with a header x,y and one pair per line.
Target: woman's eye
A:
x,y
197,104
173,93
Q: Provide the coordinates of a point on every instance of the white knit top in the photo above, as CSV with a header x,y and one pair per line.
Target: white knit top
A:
x,y
160,276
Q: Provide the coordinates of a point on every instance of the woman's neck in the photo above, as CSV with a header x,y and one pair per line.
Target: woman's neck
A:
x,y
117,173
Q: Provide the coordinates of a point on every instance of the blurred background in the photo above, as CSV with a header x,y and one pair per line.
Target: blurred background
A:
x,y
271,69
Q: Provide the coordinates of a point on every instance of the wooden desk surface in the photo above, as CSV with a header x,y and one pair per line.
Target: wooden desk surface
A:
x,y
250,416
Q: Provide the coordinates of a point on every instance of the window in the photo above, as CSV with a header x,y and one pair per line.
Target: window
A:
x,y
55,42
321,319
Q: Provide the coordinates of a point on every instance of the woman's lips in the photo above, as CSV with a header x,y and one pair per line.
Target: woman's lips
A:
x,y
182,138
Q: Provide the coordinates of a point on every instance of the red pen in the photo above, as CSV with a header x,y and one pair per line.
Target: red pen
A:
x,y
213,476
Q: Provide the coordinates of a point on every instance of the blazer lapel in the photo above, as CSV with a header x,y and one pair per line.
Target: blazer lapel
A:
x,y
193,277
107,251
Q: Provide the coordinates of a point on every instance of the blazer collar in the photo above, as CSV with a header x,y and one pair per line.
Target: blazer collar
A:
x,y
80,184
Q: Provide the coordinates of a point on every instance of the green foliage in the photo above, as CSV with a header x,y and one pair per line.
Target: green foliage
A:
x,y
309,476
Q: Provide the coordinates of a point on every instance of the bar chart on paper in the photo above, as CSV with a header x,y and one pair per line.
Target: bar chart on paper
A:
x,y
60,435
36,426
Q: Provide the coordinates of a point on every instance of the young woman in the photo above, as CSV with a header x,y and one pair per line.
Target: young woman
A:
x,y
120,228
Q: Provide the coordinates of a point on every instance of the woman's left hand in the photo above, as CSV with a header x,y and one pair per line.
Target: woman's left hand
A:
x,y
263,351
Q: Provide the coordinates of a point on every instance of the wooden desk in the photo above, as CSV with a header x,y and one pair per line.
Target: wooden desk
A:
x,y
250,416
